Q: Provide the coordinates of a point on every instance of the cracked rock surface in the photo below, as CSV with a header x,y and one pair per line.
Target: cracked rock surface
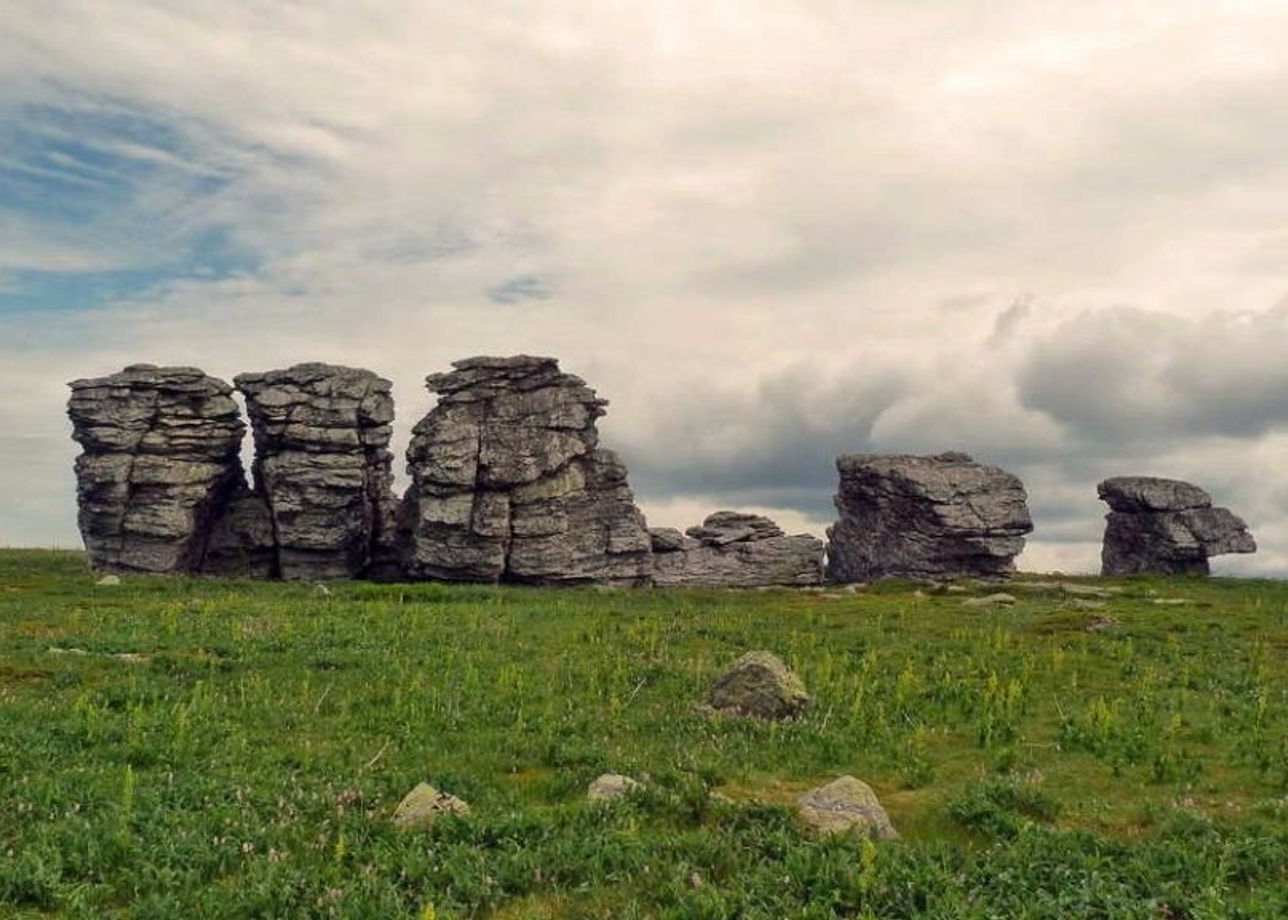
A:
x,y
1167,526
731,549
160,461
323,469
509,483
913,516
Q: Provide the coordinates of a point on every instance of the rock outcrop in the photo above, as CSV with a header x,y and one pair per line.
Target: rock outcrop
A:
x,y
734,550
1165,526
509,483
323,467
903,515
160,463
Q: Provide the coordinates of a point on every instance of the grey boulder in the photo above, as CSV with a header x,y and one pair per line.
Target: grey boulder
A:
x,y
911,516
845,804
760,685
1165,526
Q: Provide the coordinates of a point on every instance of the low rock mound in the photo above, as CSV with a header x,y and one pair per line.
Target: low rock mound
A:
x,y
758,684
910,516
735,550
1165,526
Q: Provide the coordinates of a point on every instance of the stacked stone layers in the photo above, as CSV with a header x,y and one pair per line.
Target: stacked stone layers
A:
x,y
942,515
508,483
735,550
1166,526
160,462
323,469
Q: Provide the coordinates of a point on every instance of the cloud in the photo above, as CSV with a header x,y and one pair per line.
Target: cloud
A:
x,y
769,235
1126,373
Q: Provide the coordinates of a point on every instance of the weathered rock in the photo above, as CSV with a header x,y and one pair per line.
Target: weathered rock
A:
x,y
845,803
758,684
160,462
990,600
734,550
1165,526
109,581
421,807
909,516
509,484
323,467
611,786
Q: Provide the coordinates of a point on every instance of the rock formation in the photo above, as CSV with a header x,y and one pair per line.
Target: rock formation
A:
x,y
508,483
323,467
160,462
903,515
734,550
1166,526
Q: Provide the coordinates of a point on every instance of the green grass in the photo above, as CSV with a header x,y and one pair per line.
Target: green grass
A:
x,y
244,757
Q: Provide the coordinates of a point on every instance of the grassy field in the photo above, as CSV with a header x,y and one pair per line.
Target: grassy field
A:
x,y
186,748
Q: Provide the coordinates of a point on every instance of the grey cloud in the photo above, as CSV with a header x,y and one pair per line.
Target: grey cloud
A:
x,y
1131,374
771,445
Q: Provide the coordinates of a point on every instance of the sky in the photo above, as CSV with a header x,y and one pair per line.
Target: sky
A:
x,y
1051,234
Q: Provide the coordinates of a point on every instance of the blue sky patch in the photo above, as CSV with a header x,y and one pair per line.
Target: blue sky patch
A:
x,y
113,201
520,288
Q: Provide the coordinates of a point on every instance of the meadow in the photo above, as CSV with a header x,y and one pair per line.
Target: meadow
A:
x,y
180,748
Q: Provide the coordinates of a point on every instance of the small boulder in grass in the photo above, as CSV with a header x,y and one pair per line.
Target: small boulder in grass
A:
x,y
758,684
422,806
610,787
990,600
109,581
843,804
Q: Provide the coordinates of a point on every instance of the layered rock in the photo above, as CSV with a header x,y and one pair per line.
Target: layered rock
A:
x,y
1166,526
903,515
735,550
509,483
160,462
323,468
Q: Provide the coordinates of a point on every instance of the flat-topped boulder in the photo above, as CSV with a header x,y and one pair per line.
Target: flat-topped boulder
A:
x,y
912,516
509,482
731,549
323,467
160,462
1165,526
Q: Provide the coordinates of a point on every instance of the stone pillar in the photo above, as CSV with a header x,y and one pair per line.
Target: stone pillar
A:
x,y
508,483
323,467
160,462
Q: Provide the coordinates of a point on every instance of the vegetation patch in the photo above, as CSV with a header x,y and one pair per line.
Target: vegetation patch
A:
x,y
250,764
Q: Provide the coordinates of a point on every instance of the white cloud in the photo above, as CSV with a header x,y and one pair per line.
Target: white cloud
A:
x,y
768,233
